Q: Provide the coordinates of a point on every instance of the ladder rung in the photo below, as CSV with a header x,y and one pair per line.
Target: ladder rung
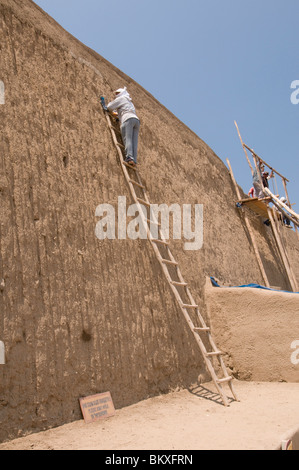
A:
x,y
120,145
137,184
189,306
156,240
129,166
177,283
153,223
206,328
225,379
214,353
168,261
114,128
142,201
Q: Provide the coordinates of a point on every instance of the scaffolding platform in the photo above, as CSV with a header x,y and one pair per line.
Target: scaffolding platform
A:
x,y
257,205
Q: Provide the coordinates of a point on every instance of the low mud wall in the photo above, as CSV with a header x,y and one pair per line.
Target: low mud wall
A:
x,y
258,331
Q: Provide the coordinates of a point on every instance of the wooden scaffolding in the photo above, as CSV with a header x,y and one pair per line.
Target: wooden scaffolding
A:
x,y
270,207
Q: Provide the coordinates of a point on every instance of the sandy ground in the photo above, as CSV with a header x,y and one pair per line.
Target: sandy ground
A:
x,y
185,420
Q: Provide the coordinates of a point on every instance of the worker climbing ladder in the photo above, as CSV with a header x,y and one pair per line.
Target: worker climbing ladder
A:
x,y
170,267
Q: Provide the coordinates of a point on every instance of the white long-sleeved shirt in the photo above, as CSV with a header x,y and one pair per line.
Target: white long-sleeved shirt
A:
x,y
124,107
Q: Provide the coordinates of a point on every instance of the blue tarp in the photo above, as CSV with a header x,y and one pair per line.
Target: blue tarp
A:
x,y
256,286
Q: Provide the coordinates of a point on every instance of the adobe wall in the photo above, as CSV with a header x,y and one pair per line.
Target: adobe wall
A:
x,y
257,330
78,315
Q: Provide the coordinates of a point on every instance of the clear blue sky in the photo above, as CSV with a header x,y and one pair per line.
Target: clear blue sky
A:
x,y
210,63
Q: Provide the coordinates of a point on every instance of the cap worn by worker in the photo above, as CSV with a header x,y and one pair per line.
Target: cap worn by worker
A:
x,y
123,93
120,90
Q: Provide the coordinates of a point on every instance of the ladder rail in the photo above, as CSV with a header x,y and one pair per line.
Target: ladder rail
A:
x,y
196,332
174,285
210,339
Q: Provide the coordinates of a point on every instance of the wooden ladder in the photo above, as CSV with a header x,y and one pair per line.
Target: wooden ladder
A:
x,y
172,271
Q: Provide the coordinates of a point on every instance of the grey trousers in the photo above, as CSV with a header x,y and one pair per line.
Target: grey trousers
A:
x,y
258,190
129,132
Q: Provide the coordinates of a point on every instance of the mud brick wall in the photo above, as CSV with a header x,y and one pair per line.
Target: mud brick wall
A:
x,y
78,315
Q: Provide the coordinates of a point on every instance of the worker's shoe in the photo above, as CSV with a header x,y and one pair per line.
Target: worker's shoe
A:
x,y
130,161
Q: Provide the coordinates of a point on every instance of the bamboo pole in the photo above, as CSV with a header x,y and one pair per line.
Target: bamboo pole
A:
x,y
286,192
286,210
249,163
282,252
253,241
265,163
282,238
